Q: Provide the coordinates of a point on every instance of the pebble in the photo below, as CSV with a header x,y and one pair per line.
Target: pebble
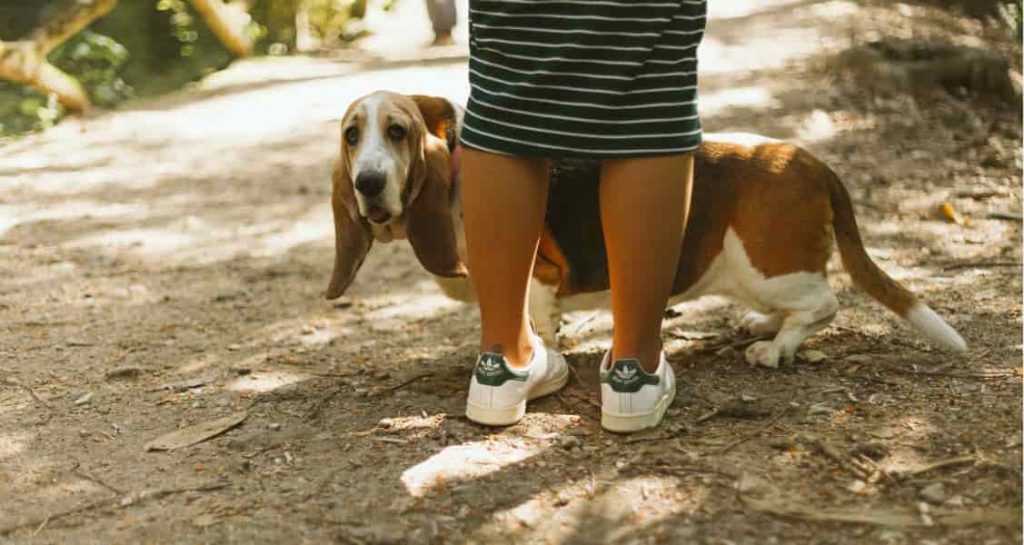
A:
x,y
819,408
128,371
234,347
569,442
934,493
274,426
84,398
813,356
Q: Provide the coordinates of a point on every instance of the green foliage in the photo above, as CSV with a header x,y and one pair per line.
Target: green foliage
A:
x,y
333,21
96,62
182,24
23,110
93,59
1010,13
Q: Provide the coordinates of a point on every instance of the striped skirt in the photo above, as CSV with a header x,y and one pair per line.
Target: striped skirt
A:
x,y
584,78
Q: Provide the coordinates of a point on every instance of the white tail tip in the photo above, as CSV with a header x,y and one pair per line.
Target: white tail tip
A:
x,y
934,328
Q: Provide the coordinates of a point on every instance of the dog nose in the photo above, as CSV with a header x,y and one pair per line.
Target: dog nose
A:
x,y
370,183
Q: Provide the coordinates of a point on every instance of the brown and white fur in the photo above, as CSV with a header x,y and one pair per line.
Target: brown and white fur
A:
x,y
761,226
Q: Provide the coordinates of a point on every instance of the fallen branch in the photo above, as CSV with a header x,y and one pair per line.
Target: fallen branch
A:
x,y
959,460
1008,516
25,61
225,25
980,265
125,501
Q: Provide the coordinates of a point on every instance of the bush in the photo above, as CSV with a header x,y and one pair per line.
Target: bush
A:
x,y
93,59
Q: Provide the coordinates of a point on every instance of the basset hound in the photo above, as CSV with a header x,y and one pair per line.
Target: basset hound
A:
x,y
761,225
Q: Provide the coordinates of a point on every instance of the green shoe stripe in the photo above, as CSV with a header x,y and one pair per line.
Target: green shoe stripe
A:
x,y
626,376
492,369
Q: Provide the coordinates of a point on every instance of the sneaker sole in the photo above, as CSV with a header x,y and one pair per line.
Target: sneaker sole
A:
x,y
506,416
627,423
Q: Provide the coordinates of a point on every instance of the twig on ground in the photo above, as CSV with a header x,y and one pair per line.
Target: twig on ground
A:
x,y
40,522
183,385
742,343
78,471
707,416
579,325
1005,216
401,385
959,460
863,468
980,265
14,382
760,431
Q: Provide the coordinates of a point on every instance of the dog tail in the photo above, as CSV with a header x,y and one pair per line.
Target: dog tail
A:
x,y
872,280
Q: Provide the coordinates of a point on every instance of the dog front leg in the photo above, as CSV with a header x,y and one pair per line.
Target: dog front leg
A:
x,y
545,311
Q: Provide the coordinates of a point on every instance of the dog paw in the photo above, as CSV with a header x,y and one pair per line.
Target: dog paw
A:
x,y
763,353
758,324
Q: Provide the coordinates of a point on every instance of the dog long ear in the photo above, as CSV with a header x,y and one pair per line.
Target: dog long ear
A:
x,y
430,227
352,236
438,115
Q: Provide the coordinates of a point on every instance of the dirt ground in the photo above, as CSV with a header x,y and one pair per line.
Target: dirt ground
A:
x,y
163,266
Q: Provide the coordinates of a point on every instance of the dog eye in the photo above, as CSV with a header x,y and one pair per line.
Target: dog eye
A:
x,y
352,136
396,132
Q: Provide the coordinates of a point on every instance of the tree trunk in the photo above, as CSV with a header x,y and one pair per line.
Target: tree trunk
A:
x,y
219,20
24,61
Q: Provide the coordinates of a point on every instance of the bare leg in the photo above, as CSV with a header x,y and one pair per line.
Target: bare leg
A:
x,y
504,200
644,205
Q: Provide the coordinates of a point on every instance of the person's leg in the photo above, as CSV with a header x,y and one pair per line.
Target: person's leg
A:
x,y
504,200
442,19
644,205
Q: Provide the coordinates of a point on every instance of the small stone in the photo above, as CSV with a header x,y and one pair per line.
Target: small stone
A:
x,y
858,358
234,347
728,351
956,501
934,493
308,330
569,442
125,372
84,398
813,356
819,408
274,426
857,486
747,398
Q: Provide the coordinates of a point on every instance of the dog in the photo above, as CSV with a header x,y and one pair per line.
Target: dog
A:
x,y
763,217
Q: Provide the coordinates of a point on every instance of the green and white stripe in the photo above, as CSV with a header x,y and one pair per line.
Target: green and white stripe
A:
x,y
584,78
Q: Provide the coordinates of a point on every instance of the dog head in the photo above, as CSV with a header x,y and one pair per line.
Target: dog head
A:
x,y
394,169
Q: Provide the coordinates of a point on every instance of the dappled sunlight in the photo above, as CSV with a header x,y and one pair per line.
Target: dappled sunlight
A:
x,y
264,381
467,461
13,215
12,444
603,505
196,240
734,9
412,307
738,97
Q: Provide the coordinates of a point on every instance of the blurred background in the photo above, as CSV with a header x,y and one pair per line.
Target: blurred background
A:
x,y
103,52
166,238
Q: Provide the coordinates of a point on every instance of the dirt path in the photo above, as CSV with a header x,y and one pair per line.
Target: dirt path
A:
x,y
186,242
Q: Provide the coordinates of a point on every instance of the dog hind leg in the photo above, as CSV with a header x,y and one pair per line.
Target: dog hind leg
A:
x,y
811,313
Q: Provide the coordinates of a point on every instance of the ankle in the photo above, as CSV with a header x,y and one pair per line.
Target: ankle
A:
x,y
516,354
649,354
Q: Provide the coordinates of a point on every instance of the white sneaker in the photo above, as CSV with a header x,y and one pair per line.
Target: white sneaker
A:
x,y
633,399
498,392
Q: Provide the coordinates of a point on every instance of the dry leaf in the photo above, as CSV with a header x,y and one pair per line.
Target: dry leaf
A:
x,y
947,212
195,434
